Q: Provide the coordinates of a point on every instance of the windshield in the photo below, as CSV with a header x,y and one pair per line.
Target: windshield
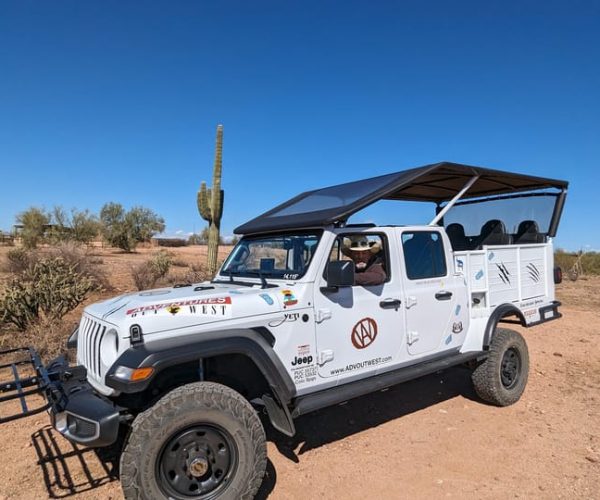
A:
x,y
511,211
283,256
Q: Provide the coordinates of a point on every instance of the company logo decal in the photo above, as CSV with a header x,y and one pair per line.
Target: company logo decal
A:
x,y
533,272
503,273
173,309
212,306
364,333
267,298
304,368
289,299
287,318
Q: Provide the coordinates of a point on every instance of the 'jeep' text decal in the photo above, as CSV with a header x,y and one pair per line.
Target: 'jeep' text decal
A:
x,y
364,333
211,305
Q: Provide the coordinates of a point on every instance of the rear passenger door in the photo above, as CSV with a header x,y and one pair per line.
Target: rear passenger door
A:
x,y
435,297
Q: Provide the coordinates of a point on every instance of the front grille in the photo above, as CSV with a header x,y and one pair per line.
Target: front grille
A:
x,y
91,333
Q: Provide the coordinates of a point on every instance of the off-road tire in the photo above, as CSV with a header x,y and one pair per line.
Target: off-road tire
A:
x,y
200,403
488,376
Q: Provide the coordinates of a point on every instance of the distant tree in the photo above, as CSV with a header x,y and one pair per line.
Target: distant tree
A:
x,y
126,229
85,226
78,226
195,239
204,235
144,223
34,221
202,238
60,231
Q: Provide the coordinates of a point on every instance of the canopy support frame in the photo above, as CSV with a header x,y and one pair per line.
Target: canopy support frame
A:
x,y
451,203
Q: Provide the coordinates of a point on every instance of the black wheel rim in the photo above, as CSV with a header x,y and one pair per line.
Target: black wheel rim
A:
x,y
510,368
197,462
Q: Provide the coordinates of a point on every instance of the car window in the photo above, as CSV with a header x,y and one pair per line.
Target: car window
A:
x,y
339,249
423,255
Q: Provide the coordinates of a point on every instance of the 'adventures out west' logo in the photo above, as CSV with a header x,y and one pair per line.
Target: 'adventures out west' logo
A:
x,y
364,333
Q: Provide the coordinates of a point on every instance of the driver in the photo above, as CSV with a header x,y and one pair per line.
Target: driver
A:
x,y
368,262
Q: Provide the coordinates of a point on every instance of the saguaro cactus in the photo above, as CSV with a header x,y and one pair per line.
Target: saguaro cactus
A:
x,y
210,205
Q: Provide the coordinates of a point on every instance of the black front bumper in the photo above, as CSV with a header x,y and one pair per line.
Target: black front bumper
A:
x,y
77,411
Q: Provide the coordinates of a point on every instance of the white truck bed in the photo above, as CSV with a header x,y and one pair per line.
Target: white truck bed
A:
x,y
518,274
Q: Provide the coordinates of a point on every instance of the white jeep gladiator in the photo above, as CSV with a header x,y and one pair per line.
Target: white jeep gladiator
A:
x,y
288,326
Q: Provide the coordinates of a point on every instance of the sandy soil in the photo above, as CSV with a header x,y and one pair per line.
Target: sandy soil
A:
x,y
430,438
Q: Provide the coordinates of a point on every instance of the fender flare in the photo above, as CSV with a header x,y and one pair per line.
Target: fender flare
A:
x,y
500,312
161,354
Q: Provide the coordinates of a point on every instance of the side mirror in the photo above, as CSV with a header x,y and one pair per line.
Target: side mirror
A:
x,y
340,273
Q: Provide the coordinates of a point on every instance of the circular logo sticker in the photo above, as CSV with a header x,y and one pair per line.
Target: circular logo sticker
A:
x,y
364,333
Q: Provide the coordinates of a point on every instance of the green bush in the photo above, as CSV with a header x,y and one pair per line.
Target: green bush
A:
x,y
34,221
125,230
590,261
47,289
147,274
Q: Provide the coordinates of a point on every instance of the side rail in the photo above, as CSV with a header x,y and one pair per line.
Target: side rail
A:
x,y
27,387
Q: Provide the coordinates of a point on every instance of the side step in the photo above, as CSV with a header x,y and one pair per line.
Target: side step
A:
x,y
342,393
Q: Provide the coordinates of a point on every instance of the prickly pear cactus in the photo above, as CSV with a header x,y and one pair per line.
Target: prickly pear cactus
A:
x,y
210,205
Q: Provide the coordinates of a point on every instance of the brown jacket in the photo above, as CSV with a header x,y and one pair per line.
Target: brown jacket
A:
x,y
374,274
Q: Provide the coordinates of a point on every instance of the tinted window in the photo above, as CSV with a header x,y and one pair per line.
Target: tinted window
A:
x,y
335,196
423,255
512,211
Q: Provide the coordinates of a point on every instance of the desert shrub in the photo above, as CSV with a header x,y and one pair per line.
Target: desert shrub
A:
x,y
48,336
83,264
47,289
147,274
125,230
17,260
179,262
187,278
590,261
171,242
34,221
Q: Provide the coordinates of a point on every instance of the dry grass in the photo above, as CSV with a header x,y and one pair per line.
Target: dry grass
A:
x,y
113,268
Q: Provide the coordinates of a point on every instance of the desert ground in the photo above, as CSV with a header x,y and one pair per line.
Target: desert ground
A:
x,y
430,438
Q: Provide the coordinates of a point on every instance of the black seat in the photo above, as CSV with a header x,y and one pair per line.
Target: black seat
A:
x,y
493,232
456,234
528,232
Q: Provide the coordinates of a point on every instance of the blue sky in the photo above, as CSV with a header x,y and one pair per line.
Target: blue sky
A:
x,y
119,100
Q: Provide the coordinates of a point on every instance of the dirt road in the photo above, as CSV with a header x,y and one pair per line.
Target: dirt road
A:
x,y
430,438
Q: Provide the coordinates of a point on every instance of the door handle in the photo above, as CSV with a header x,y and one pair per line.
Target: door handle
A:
x,y
390,304
443,295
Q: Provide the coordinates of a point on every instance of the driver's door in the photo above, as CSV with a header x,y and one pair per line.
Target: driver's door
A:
x,y
359,329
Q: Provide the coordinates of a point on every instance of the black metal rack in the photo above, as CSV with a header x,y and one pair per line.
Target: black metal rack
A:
x,y
39,381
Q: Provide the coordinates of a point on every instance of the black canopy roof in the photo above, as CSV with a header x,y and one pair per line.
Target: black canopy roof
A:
x,y
436,183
